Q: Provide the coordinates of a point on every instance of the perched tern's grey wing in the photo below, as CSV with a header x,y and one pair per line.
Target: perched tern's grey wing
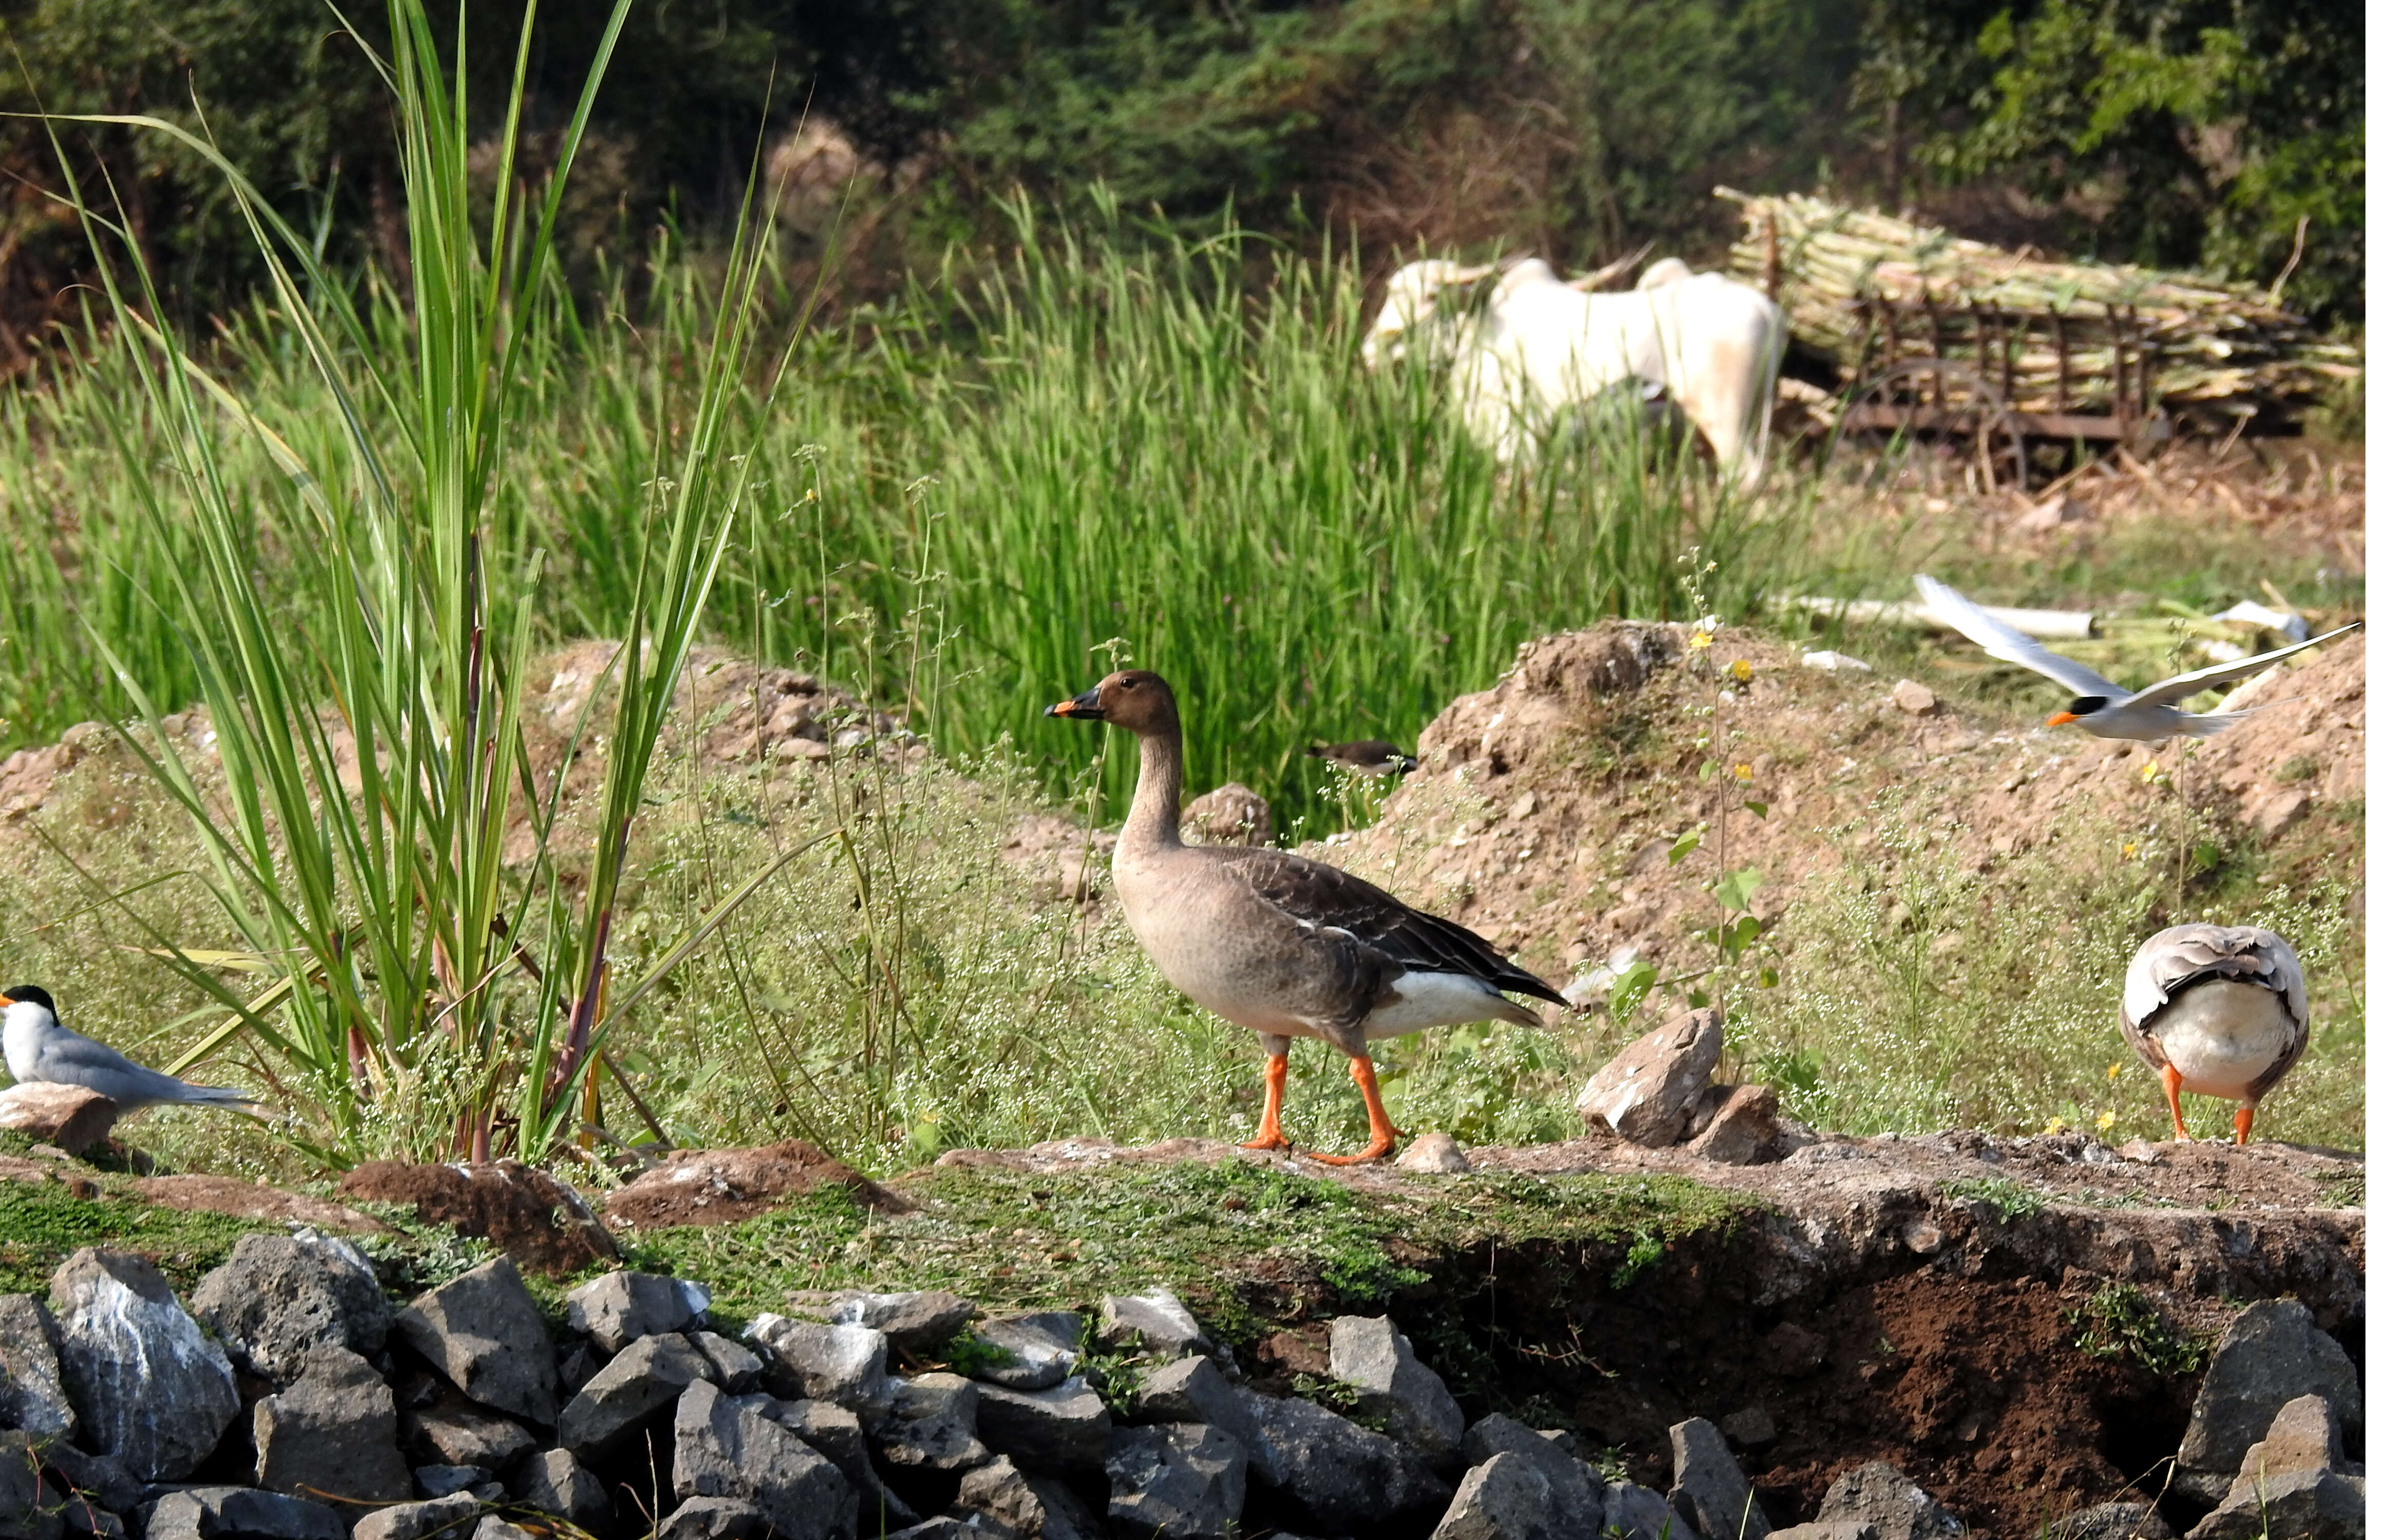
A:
x,y
69,1058
2181,686
2000,640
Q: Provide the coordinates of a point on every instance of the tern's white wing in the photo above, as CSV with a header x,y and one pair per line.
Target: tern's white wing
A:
x,y
2181,686
2000,640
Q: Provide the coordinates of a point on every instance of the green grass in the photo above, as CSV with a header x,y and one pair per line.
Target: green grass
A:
x,y
40,1225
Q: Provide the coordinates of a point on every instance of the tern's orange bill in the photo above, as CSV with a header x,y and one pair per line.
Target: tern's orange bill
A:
x,y
2060,718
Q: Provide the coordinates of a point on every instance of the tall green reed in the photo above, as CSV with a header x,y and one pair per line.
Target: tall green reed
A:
x,y
365,683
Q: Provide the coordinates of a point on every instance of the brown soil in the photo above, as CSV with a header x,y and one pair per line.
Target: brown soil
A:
x,y
538,1220
1546,806
722,1186
254,1200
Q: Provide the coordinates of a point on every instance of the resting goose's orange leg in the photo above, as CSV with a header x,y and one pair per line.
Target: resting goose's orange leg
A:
x,y
1381,1135
2170,1079
2244,1124
1271,1134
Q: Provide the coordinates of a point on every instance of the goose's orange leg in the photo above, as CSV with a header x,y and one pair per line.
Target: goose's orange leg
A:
x,y
2170,1079
1381,1135
2244,1124
1271,1126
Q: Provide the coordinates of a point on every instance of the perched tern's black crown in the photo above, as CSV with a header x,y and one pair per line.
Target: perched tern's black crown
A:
x,y
32,994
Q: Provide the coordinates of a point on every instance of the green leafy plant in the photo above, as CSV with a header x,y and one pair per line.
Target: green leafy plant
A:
x,y
374,763
2009,1198
2118,1322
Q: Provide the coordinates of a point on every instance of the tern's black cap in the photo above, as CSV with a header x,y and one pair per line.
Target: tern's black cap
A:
x,y
32,994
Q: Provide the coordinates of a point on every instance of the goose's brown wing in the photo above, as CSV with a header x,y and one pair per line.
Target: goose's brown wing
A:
x,y
1320,894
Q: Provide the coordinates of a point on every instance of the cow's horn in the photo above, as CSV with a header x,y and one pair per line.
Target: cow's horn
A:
x,y
1611,273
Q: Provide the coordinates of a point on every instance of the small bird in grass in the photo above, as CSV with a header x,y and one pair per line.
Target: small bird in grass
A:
x,y
1367,757
2101,706
1282,944
2219,1010
39,1051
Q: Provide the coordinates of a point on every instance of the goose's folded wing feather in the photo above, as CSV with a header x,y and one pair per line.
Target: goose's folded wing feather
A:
x,y
2000,640
2187,953
1320,894
2181,686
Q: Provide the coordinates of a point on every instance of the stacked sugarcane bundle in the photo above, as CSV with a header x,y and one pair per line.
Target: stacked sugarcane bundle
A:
x,y
1870,290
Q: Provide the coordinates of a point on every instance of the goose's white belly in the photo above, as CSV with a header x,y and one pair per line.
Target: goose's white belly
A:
x,y
2222,1035
1422,1000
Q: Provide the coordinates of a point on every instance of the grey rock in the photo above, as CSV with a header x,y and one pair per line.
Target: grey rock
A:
x,y
1371,1354
1037,1506
713,1518
1577,1494
2271,1354
1880,1495
1193,1390
2110,1521
1436,1153
1345,1478
933,1424
1060,1431
482,1331
1637,1513
1645,1093
460,1435
333,1435
647,1376
1178,1479
722,1449
493,1528
1158,1322
83,1518
32,1394
1506,1497
735,1369
28,1507
101,1477
445,1517
446,1481
1833,1529
805,1360
1042,1348
242,1514
281,1296
618,1309
919,1321
837,1432
553,1482
2294,1481
1710,1487
147,1386
1743,1129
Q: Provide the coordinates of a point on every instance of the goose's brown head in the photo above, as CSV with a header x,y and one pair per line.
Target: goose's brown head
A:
x,y
1135,699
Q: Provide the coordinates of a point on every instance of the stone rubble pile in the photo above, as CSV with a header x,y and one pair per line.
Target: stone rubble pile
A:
x,y
1659,1091
291,1402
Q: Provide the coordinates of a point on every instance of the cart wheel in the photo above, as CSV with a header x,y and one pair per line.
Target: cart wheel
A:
x,y
1899,405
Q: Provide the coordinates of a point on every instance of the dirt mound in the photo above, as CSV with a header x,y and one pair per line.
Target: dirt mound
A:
x,y
722,1186
1545,810
532,1217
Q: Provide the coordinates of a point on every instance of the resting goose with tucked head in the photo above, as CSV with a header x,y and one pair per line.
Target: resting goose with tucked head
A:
x,y
1285,946
2219,1010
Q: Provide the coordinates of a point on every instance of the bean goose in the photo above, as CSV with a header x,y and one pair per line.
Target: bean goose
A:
x,y
2219,1010
1282,944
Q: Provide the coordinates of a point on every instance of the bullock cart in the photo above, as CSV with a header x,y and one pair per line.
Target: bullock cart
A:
x,y
1927,336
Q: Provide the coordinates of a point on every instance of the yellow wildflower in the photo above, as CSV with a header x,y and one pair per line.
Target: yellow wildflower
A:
x,y
1740,670
2129,852
1700,641
2150,769
1745,771
2054,1125
2105,1120
2112,1072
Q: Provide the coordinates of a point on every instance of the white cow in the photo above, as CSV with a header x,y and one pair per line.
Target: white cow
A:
x,y
1538,348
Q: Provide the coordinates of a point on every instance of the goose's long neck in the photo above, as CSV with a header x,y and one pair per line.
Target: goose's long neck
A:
x,y
1159,785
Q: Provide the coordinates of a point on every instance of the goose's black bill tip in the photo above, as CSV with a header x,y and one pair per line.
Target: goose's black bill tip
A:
x,y
1084,707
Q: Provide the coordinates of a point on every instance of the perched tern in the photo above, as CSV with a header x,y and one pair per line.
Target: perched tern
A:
x,y
2219,1010
2100,705
40,1051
